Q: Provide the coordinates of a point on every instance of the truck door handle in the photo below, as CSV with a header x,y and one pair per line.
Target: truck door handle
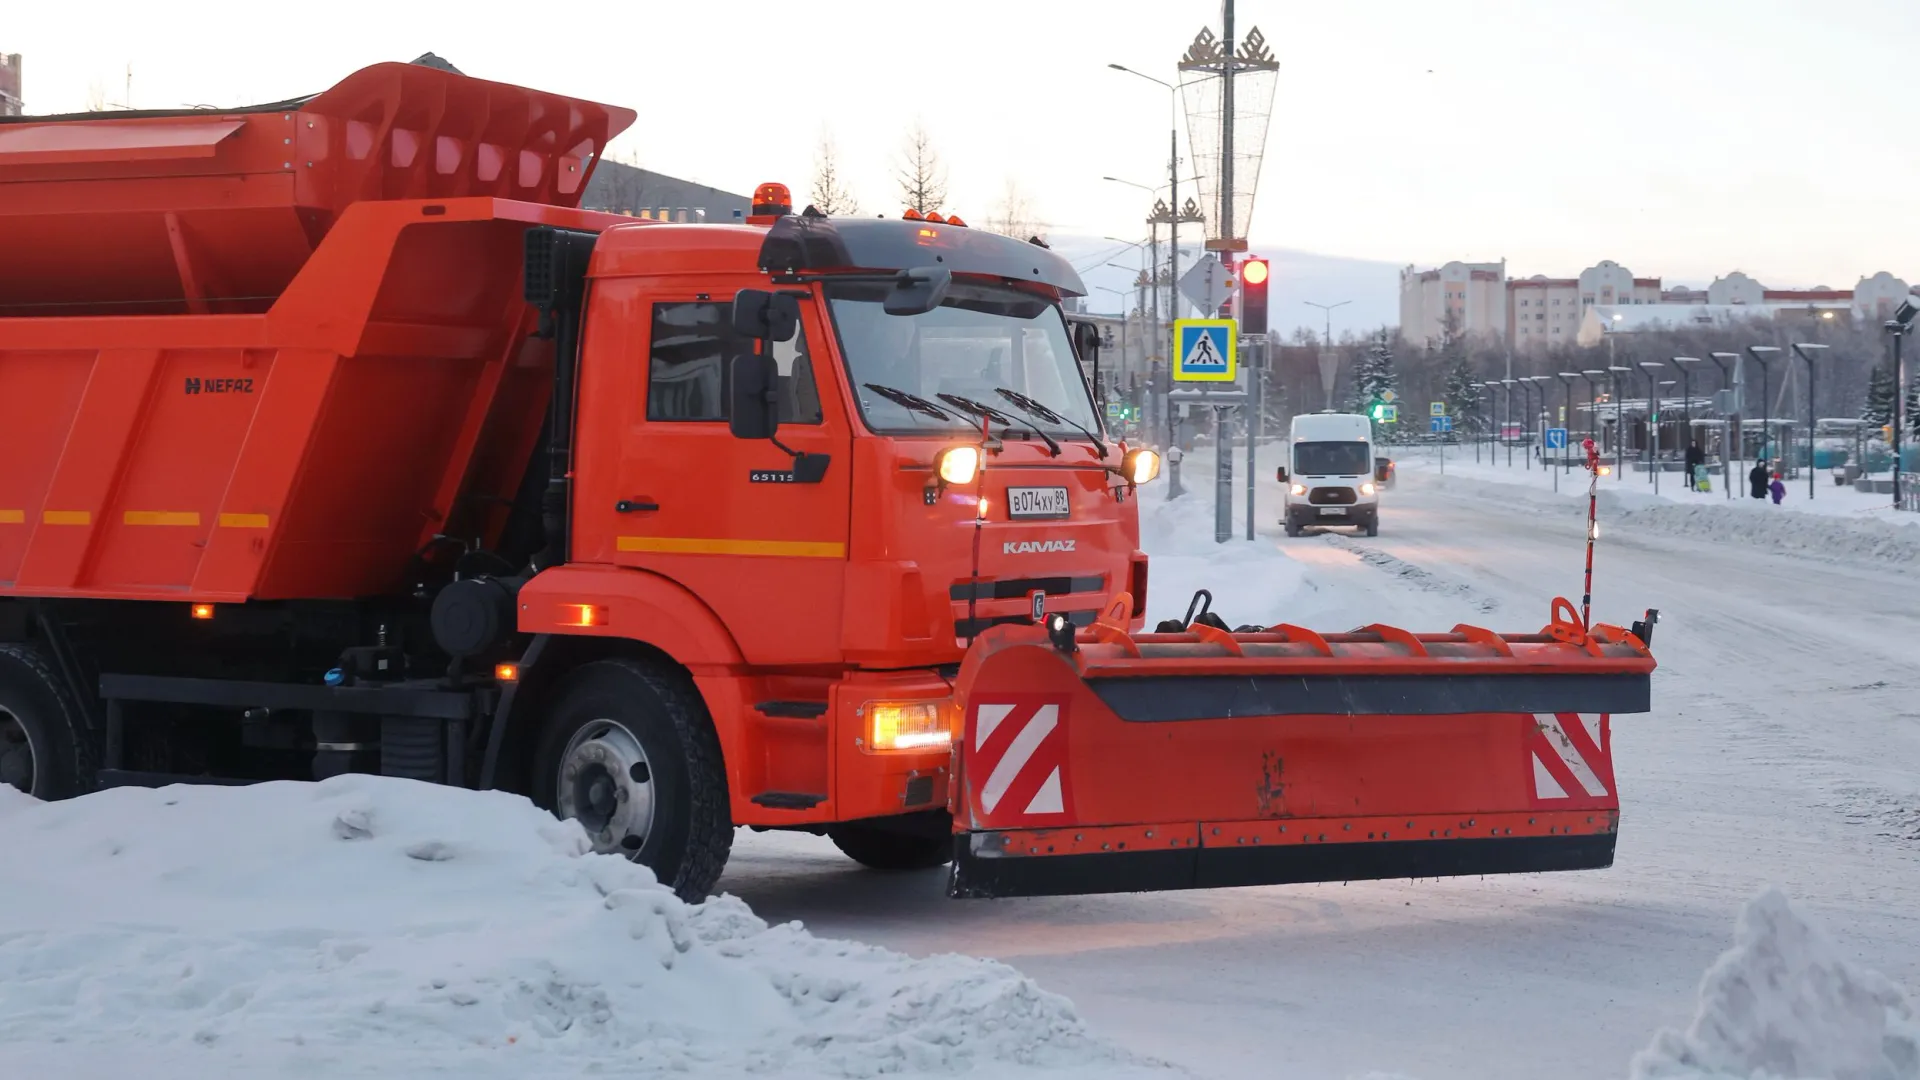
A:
x,y
629,506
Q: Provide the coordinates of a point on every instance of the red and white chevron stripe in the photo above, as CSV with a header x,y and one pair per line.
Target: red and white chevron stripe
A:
x,y
1570,758
1017,761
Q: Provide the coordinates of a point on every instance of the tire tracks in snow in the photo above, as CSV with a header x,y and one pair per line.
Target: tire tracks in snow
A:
x,y
1416,576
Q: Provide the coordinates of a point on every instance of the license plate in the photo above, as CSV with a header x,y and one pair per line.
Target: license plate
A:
x,y
1037,502
1339,511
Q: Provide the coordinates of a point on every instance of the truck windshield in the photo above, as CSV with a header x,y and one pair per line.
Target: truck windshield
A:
x,y
980,339
1331,459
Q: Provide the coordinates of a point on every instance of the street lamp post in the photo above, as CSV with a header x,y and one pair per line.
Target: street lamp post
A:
x,y
1566,380
1899,326
1723,361
1653,430
1173,175
1802,351
1619,421
1526,402
1509,384
1593,396
1686,405
1493,418
1540,425
1099,392
1328,310
1766,407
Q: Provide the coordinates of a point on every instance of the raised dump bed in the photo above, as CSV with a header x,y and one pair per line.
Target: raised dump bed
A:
x,y
263,353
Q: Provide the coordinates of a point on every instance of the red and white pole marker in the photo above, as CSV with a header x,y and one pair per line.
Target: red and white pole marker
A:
x,y
1595,471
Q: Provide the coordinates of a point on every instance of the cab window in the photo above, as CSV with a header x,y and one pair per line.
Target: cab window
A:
x,y
688,366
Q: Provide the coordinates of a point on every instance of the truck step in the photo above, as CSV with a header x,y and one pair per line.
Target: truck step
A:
x,y
793,710
788,800
108,778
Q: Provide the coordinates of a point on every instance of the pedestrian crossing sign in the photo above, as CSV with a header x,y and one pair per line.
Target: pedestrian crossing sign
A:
x,y
1203,350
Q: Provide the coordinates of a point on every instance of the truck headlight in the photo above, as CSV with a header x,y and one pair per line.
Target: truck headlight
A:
x,y
957,464
1298,489
1366,489
908,725
1140,466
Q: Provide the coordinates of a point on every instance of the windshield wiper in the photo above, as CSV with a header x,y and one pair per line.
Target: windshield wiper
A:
x,y
988,412
1047,415
911,402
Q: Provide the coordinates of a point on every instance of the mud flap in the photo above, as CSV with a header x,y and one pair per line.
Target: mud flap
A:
x,y
1204,759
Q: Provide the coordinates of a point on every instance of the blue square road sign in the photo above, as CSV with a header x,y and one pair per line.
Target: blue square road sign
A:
x,y
1204,350
1556,438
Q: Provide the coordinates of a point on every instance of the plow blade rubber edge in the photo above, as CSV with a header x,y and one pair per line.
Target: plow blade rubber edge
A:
x,y
1207,760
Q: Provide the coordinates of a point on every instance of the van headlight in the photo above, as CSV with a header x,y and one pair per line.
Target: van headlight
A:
x,y
1299,489
1140,466
1367,488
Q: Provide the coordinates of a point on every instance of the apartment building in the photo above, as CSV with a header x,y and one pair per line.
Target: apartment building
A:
x,y
1475,293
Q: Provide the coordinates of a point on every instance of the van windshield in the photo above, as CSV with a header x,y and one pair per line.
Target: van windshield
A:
x,y
981,339
1350,458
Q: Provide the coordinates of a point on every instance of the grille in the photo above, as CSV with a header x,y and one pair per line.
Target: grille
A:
x,y
1331,496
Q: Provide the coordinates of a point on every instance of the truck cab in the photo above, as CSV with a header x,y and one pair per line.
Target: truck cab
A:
x,y
1330,478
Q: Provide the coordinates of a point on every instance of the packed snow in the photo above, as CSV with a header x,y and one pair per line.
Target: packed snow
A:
x,y
372,927
1783,1003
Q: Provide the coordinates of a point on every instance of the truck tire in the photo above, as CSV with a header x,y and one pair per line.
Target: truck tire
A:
x,y
881,849
1293,529
46,747
1373,528
628,750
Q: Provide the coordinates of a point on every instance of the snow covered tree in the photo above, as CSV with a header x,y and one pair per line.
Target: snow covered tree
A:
x,y
1463,398
1879,408
1373,376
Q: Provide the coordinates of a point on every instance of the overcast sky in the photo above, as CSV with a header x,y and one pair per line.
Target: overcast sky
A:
x,y
1682,138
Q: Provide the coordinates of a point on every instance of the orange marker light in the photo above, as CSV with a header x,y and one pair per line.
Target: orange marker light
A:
x,y
954,219
936,218
585,615
911,215
506,672
203,611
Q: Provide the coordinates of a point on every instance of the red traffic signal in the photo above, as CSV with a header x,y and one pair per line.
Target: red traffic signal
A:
x,y
1253,288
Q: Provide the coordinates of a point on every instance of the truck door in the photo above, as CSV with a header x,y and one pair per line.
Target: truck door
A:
x,y
726,517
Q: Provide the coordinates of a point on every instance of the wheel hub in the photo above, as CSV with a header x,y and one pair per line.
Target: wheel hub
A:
x,y
16,753
606,784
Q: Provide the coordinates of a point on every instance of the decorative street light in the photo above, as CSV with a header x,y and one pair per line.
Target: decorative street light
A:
x,y
1509,384
1653,417
1801,349
1526,402
1728,447
1899,326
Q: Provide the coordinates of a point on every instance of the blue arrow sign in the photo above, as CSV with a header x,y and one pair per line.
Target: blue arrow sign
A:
x,y
1441,424
1556,438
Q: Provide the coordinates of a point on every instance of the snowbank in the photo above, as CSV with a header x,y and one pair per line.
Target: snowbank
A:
x,y
1880,536
1782,1004
371,926
1250,583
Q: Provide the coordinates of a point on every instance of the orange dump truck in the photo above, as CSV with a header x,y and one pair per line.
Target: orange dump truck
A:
x,y
335,438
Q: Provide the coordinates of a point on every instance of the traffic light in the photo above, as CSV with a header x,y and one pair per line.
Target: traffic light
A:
x,y
1253,287
1378,410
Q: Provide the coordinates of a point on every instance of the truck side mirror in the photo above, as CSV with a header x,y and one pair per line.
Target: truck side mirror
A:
x,y
1280,474
1380,470
918,291
1086,342
753,405
768,316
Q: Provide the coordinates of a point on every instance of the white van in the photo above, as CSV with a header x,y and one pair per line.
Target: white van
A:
x,y
1329,474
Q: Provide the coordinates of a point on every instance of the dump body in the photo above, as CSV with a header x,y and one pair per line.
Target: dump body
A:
x,y
258,355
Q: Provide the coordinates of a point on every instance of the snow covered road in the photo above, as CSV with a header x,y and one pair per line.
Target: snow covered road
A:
x,y
1784,749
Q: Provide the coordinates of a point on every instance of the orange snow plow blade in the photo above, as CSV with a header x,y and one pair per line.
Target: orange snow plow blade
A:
x,y
1103,761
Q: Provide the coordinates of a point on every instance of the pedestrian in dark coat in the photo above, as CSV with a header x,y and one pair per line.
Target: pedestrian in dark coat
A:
x,y
1758,479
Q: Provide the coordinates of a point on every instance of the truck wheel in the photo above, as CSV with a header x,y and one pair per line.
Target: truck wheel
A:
x,y
1373,528
1292,528
629,751
46,749
881,849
